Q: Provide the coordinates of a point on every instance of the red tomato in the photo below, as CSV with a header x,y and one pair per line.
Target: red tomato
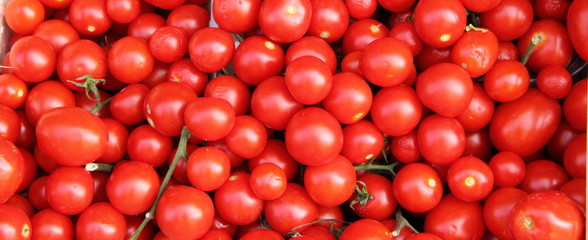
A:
x,y
560,140
480,6
56,32
169,4
329,20
406,32
361,33
265,234
366,229
50,224
430,56
12,172
440,24
478,144
116,148
574,157
308,79
360,9
58,136
509,20
543,175
576,18
362,141
30,170
508,169
456,219
13,91
268,181
554,48
23,16
475,51
9,124
350,63
80,58
386,62
248,137
101,221
276,152
231,89
574,106
208,168
396,110
27,138
70,190
192,207
445,88
576,189
16,224
313,136
32,59
168,44
382,205
312,46
332,183
405,148
547,215
211,49
148,145
236,202
441,139
506,81
554,9
285,21
397,6
507,51
470,179
144,25
184,71
257,58
273,104
497,209
189,17
126,106
295,205
209,118
479,112
89,17
525,125
555,81
132,187
37,194
123,11
326,216
164,107
236,16
133,223
417,188
130,60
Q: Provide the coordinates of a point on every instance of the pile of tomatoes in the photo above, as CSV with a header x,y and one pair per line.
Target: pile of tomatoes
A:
x,y
293,119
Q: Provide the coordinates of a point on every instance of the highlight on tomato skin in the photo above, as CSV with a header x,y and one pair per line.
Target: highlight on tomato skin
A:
x,y
293,119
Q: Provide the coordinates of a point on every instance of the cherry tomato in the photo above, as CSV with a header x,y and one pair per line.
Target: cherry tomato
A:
x,y
361,33
445,88
168,44
332,183
57,32
543,175
101,221
133,223
396,110
148,145
478,144
506,81
554,9
470,179
574,157
285,21
360,9
144,25
362,141
441,139
480,6
417,188
70,190
497,209
386,62
236,16
308,79
16,224
475,51
430,56
265,234
440,24
276,152
574,106
366,229
123,11
555,81
382,205
130,60
547,215
37,194
169,4
479,112
268,181
257,58
184,71
560,140
248,137
405,148
209,118
313,136
509,20
116,148
12,172
211,49
13,91
576,189
192,207
236,202
165,111
406,32
576,17
30,170
189,17
32,59
9,124
295,205
273,104
507,51
89,17
231,89
329,20
208,168
50,224
508,169
326,215
350,63
132,187
126,106
80,58
456,219
554,48
23,16
312,46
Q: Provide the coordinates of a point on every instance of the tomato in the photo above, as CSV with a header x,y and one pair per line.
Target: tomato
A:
x,y
574,106
396,110
417,188
168,44
211,49
554,9
231,89
50,224
216,234
13,91
36,193
70,190
208,168
507,51
478,144
16,224
46,96
574,157
543,175
327,216
12,172
509,20
132,187
308,79
554,48
265,234
248,137
126,106
329,20
268,181
317,233
313,136
101,221
23,16
508,169
366,229
547,215
165,111
406,32
382,205
30,170
100,179
560,140
123,11
209,118
576,17
506,81
26,138
441,139
362,141
9,124
273,104
236,17
555,81
350,63
184,71
80,58
56,32
257,58
236,202
148,145
475,51
405,148
360,9
397,6
133,223
330,184
423,236
116,148
361,33
480,6
189,17
525,125
445,88
236,160
430,56
276,152
295,205
470,179
129,60
576,189
497,209
386,62
182,207
285,21
439,24
456,219
32,59
57,136
479,112
88,103
312,46
144,25
89,17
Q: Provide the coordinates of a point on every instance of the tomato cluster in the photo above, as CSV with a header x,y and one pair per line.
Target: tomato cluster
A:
x,y
294,119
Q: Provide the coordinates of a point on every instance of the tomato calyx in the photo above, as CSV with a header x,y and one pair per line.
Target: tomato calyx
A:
x,y
472,27
528,223
295,233
401,222
363,196
535,40
181,153
89,85
103,167
372,166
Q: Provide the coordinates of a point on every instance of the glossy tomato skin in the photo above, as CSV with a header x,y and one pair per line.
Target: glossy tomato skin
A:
x,y
12,172
168,44
506,81
211,49
509,20
268,181
479,112
132,187
231,89
285,21
543,175
16,224
116,148
332,183
574,158
70,190
295,205
508,169
312,46
32,59
192,207
50,224
329,20
144,25
101,221
148,145
470,179
313,136
555,48
476,51
547,215
405,148
90,17
23,16
276,152
58,136
236,16
406,32
560,140
80,58
349,99
445,88
127,105
236,202
362,141
497,209
576,189
386,62
480,6
576,17
9,124
308,79
123,11
257,58
130,60
440,24
361,33
396,110
209,118
57,32
273,104
383,204
13,91
525,125
164,107
575,105
417,188
208,168
456,219
189,17
441,139
366,229
360,9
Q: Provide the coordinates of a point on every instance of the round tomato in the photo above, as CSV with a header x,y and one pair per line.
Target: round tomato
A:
x,y
32,59
497,209
235,201
386,62
295,205
312,46
329,19
56,32
475,51
509,20
231,89
576,18
445,88
208,168
123,11
361,33
308,79
23,16
285,21
148,145
236,16
574,157
164,107
268,181
211,49
16,224
70,190
574,106
12,172
479,112
80,58
130,60
396,110
440,24
168,44
101,221
127,107
332,183
89,17
470,179
382,205
49,224
132,187
189,17
273,104
441,139
417,188
209,118
543,175
362,141
366,229
257,58
508,169
555,81
456,219
554,47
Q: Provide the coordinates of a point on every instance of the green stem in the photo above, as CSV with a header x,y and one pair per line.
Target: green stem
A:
x,y
472,27
401,222
89,85
363,196
99,167
371,166
538,38
294,231
99,105
180,153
